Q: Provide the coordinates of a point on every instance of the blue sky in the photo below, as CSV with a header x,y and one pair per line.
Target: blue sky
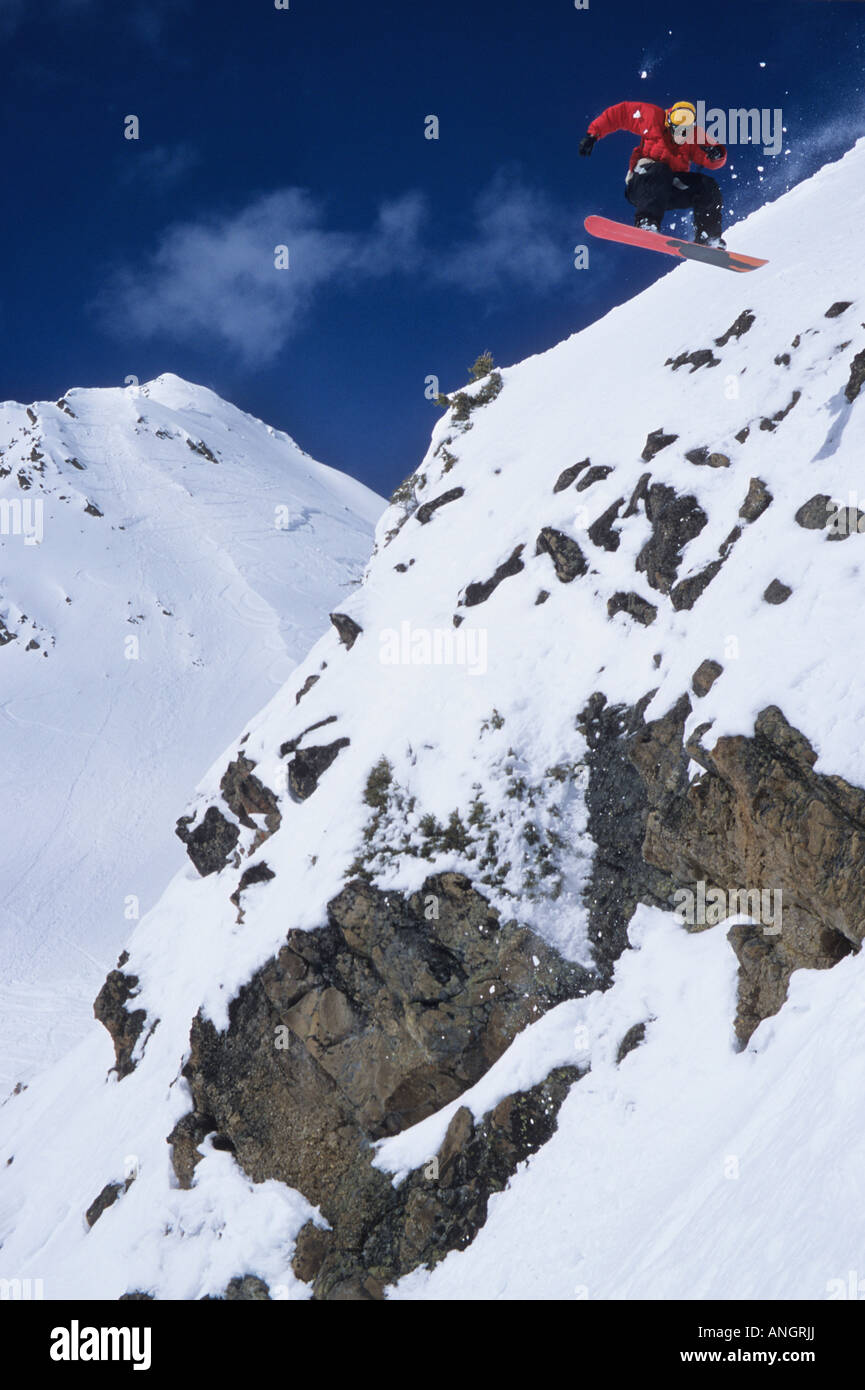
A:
x,y
304,127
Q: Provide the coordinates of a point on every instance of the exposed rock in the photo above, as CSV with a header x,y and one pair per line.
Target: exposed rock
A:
x,y
703,357
703,456
617,805
543,595
257,873
838,308
742,435
601,532
655,442
687,591
814,514
347,629
211,844
568,559
358,1030
758,499
737,329
632,1039
246,796
776,592
773,421
638,495
857,377
762,819
291,744
637,607
309,764
92,510
306,687
109,1007
425,512
312,1246
479,592
107,1197
596,474
675,521
246,1288
705,676
569,475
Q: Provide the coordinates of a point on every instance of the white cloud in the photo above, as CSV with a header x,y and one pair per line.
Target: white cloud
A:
x,y
214,280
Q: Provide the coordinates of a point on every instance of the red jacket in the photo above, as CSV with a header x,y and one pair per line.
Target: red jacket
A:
x,y
656,141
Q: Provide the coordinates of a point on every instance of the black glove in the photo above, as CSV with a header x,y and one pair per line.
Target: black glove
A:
x,y
714,152
587,144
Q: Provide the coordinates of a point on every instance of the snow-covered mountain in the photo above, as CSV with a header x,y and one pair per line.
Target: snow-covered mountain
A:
x,y
166,561
517,953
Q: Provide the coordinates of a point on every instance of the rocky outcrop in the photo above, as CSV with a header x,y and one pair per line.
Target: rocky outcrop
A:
x,y
110,1008
479,591
675,521
309,764
759,821
356,1031
569,562
211,843
426,511
246,796
347,629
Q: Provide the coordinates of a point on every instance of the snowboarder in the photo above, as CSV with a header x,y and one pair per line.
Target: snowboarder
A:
x,y
659,176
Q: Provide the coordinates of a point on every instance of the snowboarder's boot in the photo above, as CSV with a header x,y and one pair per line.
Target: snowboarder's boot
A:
x,y
703,239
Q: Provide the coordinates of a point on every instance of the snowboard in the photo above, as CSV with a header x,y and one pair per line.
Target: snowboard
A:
x,y
670,245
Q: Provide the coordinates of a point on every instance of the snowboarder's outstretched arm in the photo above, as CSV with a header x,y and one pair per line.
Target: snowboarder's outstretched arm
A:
x,y
635,116
710,156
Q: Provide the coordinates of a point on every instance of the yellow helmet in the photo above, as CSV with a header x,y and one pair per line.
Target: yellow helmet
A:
x,y
682,113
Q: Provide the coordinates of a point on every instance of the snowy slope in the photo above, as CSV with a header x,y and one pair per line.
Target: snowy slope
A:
x,y
691,1169
143,636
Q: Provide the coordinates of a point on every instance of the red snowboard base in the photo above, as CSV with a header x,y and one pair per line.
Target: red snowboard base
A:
x,y
670,245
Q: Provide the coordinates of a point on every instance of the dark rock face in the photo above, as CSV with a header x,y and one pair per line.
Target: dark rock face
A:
x,y
246,1288
814,514
309,764
758,499
632,1040
479,592
856,378
256,873
777,592
358,1030
441,1206
705,676
595,474
702,456
702,357
773,421
567,557
109,1007
838,308
211,844
655,442
687,591
638,608
736,330
762,819
107,1197
347,629
569,475
618,806
306,687
425,512
601,532
675,521
246,796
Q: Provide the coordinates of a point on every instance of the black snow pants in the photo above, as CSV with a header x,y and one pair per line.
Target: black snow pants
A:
x,y
656,188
